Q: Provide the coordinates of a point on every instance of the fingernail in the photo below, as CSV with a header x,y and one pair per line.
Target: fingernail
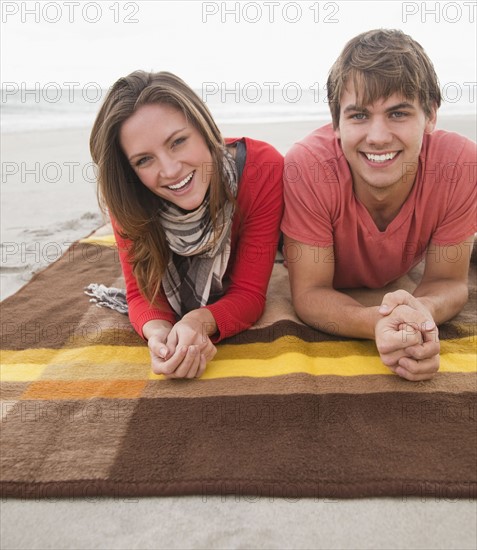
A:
x,y
429,325
163,352
383,309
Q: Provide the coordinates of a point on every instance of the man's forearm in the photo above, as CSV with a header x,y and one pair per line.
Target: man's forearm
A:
x,y
332,311
444,299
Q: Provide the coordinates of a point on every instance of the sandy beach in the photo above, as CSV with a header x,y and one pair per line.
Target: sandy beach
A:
x,y
49,194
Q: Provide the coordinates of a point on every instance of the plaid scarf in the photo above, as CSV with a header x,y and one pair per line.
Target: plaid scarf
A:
x,y
193,277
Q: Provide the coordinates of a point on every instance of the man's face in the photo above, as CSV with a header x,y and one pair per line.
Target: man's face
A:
x,y
382,141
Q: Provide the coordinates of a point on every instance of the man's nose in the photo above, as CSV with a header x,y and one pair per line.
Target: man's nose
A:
x,y
379,133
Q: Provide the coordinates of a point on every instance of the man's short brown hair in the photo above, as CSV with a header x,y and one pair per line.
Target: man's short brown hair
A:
x,y
380,63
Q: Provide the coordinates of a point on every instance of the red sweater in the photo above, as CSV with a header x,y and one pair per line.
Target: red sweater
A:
x,y
255,232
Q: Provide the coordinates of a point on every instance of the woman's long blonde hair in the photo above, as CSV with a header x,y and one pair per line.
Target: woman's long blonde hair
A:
x,y
130,203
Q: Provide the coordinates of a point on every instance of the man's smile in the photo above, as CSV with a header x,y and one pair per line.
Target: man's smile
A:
x,y
380,158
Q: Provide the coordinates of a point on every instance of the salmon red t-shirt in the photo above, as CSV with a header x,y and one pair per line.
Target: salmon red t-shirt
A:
x,y
321,209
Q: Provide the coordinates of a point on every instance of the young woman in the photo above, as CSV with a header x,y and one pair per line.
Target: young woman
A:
x,y
196,218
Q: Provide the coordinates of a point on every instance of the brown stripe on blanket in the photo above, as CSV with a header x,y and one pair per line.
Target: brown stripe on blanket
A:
x,y
104,326
41,315
59,441
12,390
296,446
302,383
249,489
292,330
305,440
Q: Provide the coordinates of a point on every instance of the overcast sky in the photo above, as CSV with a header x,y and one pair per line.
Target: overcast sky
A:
x,y
78,41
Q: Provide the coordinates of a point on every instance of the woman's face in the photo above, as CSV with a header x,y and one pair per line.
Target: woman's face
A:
x,y
168,154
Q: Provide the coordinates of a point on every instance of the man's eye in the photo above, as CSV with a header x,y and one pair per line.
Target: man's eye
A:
x,y
398,114
358,116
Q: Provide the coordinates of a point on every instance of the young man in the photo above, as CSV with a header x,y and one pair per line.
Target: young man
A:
x,y
369,196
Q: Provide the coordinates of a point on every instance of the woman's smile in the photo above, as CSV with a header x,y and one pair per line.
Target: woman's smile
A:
x,y
183,184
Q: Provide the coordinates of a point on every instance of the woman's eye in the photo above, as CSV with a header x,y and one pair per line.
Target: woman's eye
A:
x,y
178,141
141,161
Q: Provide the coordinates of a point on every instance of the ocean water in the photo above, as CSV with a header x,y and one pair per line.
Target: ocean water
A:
x,y
60,108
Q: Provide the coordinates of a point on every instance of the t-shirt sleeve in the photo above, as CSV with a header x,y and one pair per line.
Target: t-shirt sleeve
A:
x,y
308,195
460,218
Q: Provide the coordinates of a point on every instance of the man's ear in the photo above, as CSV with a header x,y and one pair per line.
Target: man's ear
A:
x,y
337,132
431,120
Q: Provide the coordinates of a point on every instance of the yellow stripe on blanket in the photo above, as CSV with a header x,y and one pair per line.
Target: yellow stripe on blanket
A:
x,y
104,240
21,372
95,355
92,362
332,349
321,364
292,363
250,360
102,354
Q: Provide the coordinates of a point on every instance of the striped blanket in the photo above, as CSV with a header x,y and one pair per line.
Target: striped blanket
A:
x,y
282,411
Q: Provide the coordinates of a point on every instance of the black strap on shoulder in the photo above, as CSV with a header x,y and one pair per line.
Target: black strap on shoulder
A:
x,y
240,157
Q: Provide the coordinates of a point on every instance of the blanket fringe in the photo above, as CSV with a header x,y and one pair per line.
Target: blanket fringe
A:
x,y
111,297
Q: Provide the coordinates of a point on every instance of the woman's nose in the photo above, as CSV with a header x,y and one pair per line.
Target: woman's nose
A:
x,y
169,167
